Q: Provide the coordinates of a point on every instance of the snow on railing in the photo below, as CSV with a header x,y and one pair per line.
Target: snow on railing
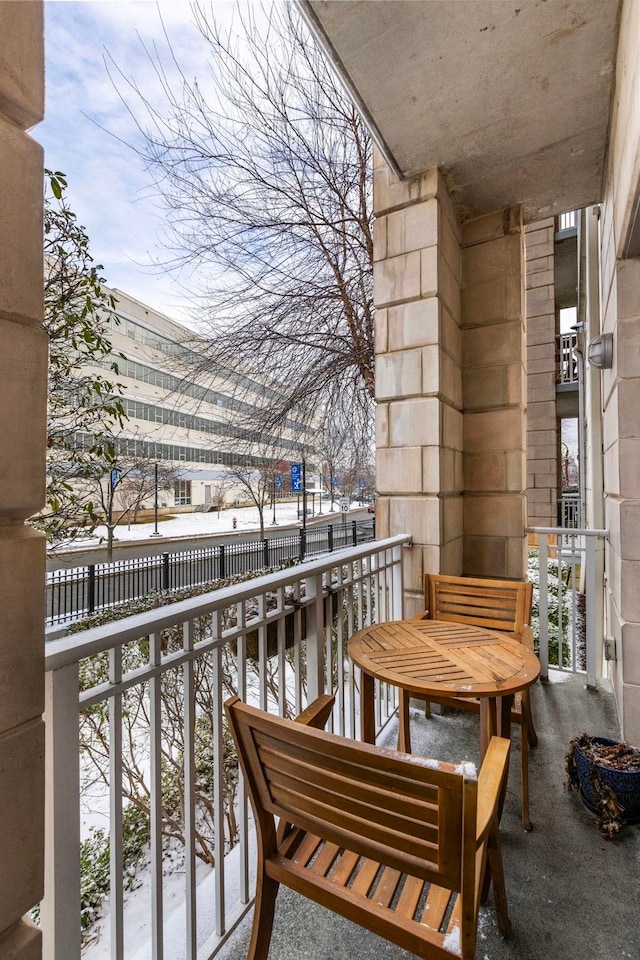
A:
x,y
142,698
566,627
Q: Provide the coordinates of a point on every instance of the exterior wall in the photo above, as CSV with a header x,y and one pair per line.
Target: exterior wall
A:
x,y
417,275
494,398
166,415
620,307
542,426
449,382
23,359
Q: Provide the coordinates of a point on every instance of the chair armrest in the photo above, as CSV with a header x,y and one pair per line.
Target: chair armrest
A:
x,y
318,712
492,774
421,616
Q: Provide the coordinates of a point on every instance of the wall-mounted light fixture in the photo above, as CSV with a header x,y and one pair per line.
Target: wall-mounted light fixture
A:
x,y
600,351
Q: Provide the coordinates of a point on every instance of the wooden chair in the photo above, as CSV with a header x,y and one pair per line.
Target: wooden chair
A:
x,y
497,605
393,842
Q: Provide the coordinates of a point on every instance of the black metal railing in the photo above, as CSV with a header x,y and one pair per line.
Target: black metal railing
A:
x,y
81,591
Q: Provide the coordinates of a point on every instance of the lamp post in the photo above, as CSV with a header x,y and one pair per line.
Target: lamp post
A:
x,y
273,497
156,532
304,494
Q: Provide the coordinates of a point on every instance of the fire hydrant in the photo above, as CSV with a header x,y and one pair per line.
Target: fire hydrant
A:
x,y
235,523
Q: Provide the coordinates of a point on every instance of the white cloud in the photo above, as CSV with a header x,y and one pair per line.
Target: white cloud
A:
x,y
109,187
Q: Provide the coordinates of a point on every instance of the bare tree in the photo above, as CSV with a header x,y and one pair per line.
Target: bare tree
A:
x,y
117,494
264,168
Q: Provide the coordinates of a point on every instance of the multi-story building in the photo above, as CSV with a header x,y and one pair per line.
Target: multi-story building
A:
x,y
194,419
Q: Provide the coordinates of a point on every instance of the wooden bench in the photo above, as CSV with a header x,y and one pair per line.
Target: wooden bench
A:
x,y
395,843
498,605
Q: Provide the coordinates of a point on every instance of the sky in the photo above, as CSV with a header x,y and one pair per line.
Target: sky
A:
x,y
87,130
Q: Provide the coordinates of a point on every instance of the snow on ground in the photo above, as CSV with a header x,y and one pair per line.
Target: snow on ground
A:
x,y
201,524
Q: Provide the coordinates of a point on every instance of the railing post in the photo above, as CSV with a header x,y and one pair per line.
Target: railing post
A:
x,y
330,537
91,588
303,544
223,562
60,909
354,533
315,637
543,607
397,587
165,571
590,589
265,545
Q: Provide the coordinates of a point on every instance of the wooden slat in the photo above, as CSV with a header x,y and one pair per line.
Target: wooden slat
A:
x,y
344,868
349,785
410,897
323,862
436,906
286,790
386,887
365,877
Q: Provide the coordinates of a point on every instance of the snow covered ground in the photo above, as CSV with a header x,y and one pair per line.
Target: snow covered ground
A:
x,y
201,524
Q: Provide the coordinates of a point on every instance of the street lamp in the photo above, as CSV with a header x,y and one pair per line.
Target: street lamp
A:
x,y
156,532
273,498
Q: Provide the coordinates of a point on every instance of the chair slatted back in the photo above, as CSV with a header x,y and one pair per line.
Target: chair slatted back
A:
x,y
495,604
413,815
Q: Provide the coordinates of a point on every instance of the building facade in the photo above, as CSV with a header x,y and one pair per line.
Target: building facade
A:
x,y
200,422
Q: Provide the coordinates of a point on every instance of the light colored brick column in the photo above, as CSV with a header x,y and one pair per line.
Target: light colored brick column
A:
x,y
621,392
418,373
23,357
493,394
542,425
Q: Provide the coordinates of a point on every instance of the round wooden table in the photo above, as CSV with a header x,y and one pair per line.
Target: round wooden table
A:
x,y
441,659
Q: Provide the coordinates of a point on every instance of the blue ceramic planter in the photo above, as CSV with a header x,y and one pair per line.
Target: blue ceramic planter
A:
x,y
624,783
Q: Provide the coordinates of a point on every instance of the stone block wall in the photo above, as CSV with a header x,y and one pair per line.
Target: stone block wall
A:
x,y
449,382
542,425
620,310
23,378
494,398
417,275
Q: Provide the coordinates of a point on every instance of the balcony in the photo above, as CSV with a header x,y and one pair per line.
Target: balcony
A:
x,y
151,728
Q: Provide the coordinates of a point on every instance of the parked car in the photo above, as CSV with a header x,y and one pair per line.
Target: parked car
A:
x,y
371,507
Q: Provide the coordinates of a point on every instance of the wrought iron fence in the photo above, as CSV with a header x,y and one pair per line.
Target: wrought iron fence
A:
x,y
82,591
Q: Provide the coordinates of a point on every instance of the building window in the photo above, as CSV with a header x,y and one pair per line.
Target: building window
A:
x,y
182,493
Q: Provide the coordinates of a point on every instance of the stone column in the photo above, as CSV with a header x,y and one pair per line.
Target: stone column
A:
x,y
542,425
417,273
494,377
23,358
621,394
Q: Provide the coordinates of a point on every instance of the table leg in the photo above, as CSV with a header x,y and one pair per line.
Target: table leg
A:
x,y
488,723
495,720
404,733
367,710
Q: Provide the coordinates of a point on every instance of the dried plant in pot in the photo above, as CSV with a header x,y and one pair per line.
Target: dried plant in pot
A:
x,y
607,775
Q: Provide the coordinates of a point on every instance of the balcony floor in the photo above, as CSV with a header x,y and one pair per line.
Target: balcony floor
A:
x,y
571,894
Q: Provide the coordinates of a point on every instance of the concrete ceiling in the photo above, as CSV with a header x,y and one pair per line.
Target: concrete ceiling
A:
x,y
511,98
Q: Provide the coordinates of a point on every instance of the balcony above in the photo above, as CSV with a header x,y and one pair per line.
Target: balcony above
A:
x,y
511,100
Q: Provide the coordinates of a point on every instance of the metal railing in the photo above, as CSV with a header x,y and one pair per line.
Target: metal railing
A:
x,y
143,700
82,591
570,511
568,221
566,358
566,571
